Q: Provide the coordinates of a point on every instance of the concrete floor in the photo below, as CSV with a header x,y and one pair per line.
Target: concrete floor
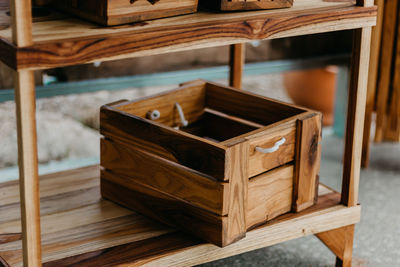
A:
x,y
377,238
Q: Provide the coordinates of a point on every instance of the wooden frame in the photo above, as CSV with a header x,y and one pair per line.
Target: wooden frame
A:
x,y
338,237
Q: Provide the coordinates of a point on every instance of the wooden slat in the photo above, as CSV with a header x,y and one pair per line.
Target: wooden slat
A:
x,y
355,116
71,41
84,237
164,208
256,108
372,82
386,60
270,195
166,176
392,127
237,57
237,165
191,98
307,161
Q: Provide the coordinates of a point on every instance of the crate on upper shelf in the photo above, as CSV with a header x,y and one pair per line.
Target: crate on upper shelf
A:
x,y
232,5
118,12
210,160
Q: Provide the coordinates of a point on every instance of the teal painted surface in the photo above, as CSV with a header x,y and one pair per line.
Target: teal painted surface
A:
x,y
339,124
175,77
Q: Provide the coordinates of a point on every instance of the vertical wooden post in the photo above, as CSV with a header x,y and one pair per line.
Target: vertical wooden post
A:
x,y
354,134
24,86
236,62
355,116
372,82
386,64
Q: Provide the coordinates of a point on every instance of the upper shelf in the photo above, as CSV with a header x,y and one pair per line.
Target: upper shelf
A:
x,y
61,41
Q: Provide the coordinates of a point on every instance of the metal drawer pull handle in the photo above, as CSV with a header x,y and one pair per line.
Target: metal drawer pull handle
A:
x,y
181,115
271,149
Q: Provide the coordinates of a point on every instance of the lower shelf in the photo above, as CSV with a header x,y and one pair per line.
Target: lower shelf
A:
x,y
81,229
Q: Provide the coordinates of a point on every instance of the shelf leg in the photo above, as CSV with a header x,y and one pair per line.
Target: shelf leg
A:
x,y
28,166
372,83
355,115
340,242
236,63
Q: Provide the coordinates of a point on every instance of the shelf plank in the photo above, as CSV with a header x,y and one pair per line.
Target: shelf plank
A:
x,y
81,229
69,41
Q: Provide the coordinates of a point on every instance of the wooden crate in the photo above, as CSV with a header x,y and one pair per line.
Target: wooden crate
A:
x,y
231,5
117,12
242,159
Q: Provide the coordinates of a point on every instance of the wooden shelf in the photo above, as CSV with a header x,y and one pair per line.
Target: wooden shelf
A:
x,y
61,41
78,227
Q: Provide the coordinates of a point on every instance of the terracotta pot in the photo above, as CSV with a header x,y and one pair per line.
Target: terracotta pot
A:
x,y
314,89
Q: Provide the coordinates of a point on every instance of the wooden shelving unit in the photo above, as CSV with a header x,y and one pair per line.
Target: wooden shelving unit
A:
x,y
77,226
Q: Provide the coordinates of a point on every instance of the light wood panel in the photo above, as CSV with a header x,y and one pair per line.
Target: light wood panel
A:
x,y
270,195
355,116
93,231
307,161
386,63
237,164
142,167
392,127
372,81
71,41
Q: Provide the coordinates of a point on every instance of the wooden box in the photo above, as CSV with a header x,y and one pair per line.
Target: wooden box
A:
x,y
231,5
115,12
241,160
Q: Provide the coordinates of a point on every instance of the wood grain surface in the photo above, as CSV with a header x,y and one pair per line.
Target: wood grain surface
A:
x,y
390,23
191,98
355,116
188,150
89,228
148,169
72,41
117,12
229,5
340,242
308,159
248,106
373,76
164,208
237,58
260,162
270,195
